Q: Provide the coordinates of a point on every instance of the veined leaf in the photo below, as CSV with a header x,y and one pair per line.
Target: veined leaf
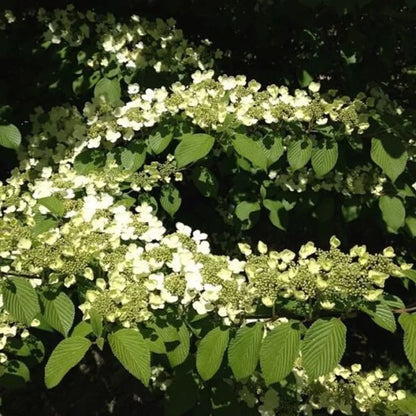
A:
x,y
382,315
243,352
299,152
389,153
248,213
20,299
393,212
133,156
277,213
192,148
15,374
82,329
272,148
67,354
252,150
205,181
408,323
58,311
109,89
10,136
96,323
170,199
159,141
323,347
324,157
132,351
179,354
54,205
279,351
211,352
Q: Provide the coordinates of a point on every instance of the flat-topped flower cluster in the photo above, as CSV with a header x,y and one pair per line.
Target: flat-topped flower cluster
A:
x,y
132,45
130,266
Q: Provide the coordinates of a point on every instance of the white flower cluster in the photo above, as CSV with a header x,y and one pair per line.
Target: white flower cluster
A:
x,y
344,390
132,45
64,132
135,267
359,180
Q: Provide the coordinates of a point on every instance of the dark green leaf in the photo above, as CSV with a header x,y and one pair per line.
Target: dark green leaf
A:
x,y
393,212
210,352
58,311
252,150
205,181
408,323
131,350
192,148
109,89
170,199
10,136
279,351
390,154
299,152
243,352
20,299
324,157
323,347
67,354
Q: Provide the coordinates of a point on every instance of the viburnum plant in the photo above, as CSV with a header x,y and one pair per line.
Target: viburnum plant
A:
x,y
94,245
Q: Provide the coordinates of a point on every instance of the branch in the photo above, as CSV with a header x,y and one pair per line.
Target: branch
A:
x,y
25,275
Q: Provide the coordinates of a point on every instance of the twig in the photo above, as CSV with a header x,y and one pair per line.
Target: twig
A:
x,y
27,276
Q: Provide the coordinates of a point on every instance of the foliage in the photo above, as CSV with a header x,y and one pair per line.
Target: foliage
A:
x,y
164,221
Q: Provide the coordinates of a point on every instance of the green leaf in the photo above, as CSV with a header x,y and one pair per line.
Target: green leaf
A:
x,y
381,314
67,354
192,148
132,351
160,140
205,181
58,311
393,212
279,351
243,352
109,89
170,199
54,205
20,299
248,213
324,157
133,156
272,148
252,150
43,223
299,153
389,153
10,136
408,323
82,329
181,395
411,225
89,160
96,323
210,352
392,301
323,347
179,354
31,349
277,213
15,375
100,343
407,406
